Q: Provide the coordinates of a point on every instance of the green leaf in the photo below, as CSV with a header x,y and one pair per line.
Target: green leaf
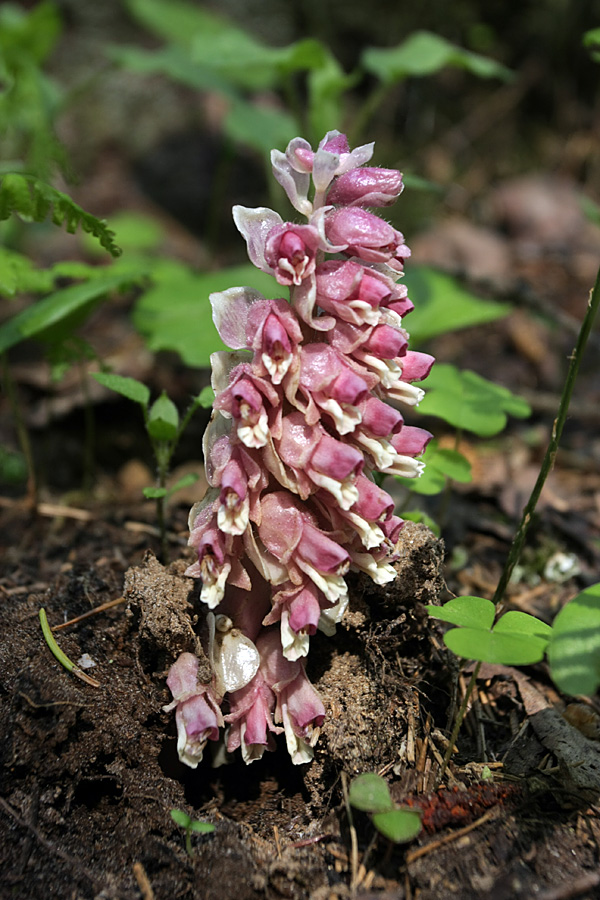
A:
x,y
398,825
163,419
476,612
138,233
127,387
183,482
43,314
419,516
517,639
154,493
173,62
35,200
424,53
206,397
441,464
181,818
495,647
574,651
202,827
468,401
259,127
175,313
442,304
19,275
516,622
174,21
591,40
13,466
370,793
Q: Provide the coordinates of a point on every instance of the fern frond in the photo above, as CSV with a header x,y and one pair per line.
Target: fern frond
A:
x,y
34,200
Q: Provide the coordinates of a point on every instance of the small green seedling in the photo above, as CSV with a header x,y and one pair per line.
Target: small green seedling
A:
x,y
517,639
370,793
182,819
164,427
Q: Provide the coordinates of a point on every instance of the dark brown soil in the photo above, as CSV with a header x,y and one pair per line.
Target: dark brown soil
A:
x,y
89,775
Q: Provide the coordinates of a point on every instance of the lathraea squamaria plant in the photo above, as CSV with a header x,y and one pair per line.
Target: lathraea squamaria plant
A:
x,y
305,412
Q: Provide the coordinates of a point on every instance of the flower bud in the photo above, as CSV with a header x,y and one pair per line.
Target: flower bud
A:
x,y
366,186
367,236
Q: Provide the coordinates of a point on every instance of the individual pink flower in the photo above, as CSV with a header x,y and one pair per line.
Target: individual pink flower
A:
x,y
365,235
299,609
366,186
197,713
290,533
244,400
319,460
330,384
350,291
291,251
299,706
250,719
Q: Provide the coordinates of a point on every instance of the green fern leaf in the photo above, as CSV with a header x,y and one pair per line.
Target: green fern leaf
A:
x,y
32,199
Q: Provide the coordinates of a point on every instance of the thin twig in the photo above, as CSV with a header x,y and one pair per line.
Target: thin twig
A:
x,y
448,838
92,612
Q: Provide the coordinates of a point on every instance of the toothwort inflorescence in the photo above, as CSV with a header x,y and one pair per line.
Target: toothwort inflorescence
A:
x,y
301,422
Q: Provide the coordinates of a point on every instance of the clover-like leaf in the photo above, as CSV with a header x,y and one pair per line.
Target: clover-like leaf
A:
x,y
517,639
467,401
574,651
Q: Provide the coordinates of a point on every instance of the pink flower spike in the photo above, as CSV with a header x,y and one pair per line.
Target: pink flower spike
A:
x,y
366,187
367,236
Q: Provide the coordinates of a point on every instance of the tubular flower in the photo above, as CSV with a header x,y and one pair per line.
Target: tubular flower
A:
x,y
302,420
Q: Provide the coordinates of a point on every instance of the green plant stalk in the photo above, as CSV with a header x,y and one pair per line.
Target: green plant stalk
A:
x,y
89,430
22,432
546,467
163,453
188,841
